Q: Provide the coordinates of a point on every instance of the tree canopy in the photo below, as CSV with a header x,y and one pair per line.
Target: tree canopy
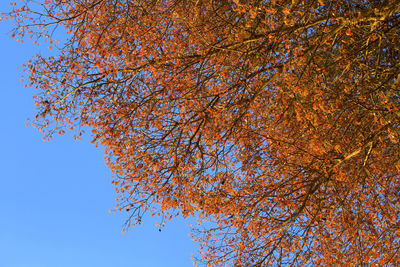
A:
x,y
276,120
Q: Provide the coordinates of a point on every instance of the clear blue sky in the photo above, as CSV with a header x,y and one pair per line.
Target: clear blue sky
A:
x,y
55,196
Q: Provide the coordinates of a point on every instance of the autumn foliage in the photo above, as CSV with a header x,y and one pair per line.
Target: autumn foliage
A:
x,y
278,121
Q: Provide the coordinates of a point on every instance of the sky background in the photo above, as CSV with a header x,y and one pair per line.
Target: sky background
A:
x,y
55,196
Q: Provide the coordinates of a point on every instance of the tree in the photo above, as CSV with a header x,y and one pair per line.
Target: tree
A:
x,y
276,120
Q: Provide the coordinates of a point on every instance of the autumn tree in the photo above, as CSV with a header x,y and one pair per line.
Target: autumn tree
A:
x,y
278,121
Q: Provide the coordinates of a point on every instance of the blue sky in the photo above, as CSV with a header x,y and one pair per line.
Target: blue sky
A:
x,y
55,196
